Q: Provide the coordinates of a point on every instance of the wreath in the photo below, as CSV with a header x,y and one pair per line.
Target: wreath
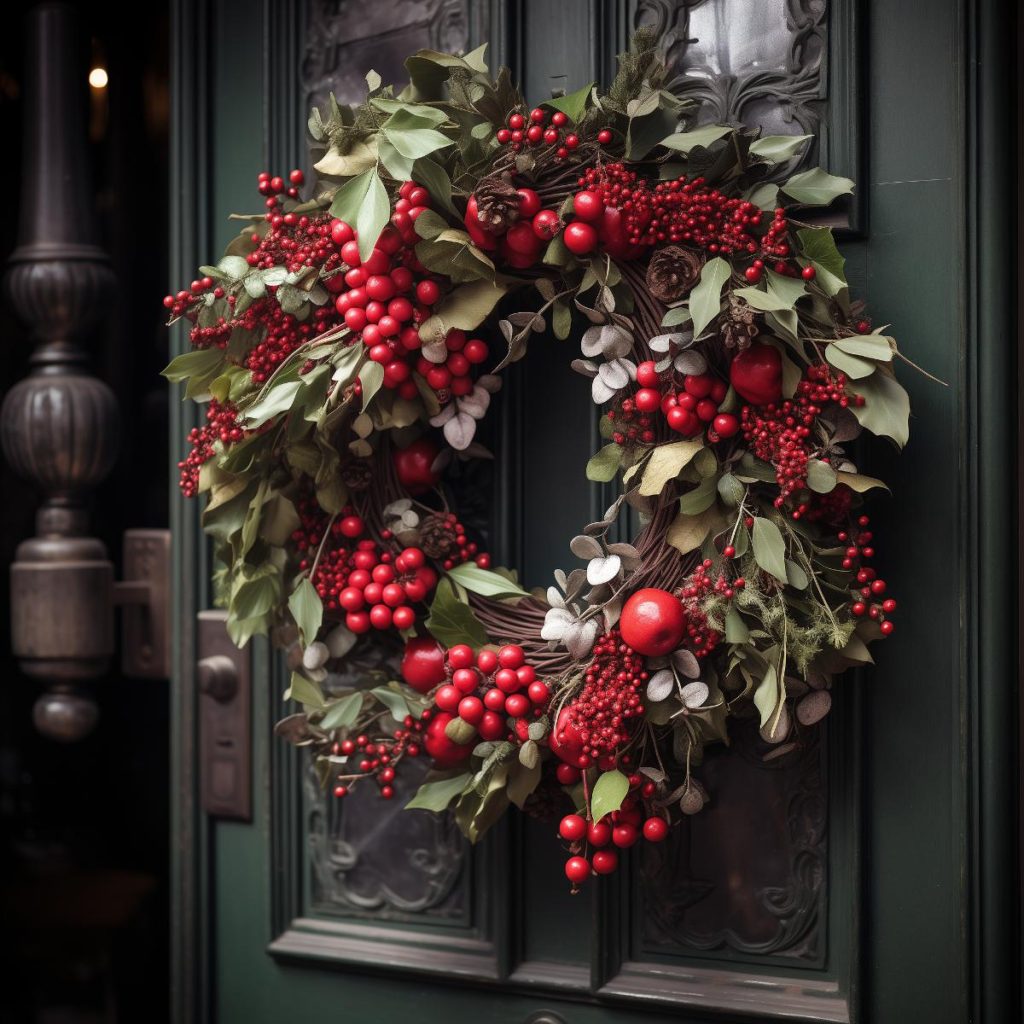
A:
x,y
343,347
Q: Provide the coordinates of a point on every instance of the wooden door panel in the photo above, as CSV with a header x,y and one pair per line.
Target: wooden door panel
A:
x,y
752,910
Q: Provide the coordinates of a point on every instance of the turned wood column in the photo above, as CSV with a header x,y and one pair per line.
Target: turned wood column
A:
x,y
59,425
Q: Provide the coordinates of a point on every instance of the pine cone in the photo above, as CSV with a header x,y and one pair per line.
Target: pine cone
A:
x,y
437,538
357,474
672,272
497,203
740,327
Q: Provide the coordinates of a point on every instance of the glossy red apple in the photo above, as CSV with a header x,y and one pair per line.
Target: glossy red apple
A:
x,y
756,374
653,622
423,663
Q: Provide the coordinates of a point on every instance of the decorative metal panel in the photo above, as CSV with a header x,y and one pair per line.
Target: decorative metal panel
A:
x,y
346,38
747,875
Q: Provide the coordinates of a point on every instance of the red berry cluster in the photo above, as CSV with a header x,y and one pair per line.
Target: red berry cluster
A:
x,y
384,299
354,574
541,130
221,425
601,713
621,829
494,686
700,638
868,600
678,211
378,758
780,433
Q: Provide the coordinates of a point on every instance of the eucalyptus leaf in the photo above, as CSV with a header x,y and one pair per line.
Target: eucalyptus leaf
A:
x,y
362,202
484,582
769,548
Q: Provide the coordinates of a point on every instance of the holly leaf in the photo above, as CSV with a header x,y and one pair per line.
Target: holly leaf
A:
x,y
776,149
683,142
608,793
816,187
706,297
362,202
769,548
573,105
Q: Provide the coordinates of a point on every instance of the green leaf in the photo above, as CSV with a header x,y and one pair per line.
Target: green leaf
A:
x,y
736,631
371,377
795,576
819,247
522,782
200,362
451,621
870,346
769,548
683,142
484,582
453,253
411,138
775,149
816,187
434,178
396,704
235,267
305,691
731,490
362,202
277,400
702,496
343,711
764,196
675,316
706,297
464,308
603,465
608,793
687,533
360,157
767,695
665,464
821,477
852,366
787,289
430,116
307,609
437,794
762,299
572,105
860,484
886,408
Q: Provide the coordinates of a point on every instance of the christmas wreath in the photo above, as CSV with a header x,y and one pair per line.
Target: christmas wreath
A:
x,y
345,349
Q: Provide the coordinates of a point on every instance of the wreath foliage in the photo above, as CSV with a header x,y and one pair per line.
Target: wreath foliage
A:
x,y
338,346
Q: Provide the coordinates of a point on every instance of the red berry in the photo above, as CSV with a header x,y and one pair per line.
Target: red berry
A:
x,y
647,399
572,827
646,374
546,225
529,202
516,121
655,829
808,273
445,753
413,466
588,205
625,836
580,238
725,425
577,870
599,833
567,774
492,726
471,709
653,622
604,861
511,656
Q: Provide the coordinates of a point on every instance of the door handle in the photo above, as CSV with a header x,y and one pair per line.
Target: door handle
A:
x,y
224,685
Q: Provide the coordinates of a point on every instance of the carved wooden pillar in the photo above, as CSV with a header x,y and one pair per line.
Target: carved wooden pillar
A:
x,y
59,426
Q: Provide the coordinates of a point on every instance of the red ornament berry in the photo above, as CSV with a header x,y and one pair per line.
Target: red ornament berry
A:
x,y
588,205
413,466
808,273
565,740
604,861
725,425
653,622
567,774
604,136
529,202
460,656
423,664
756,374
511,656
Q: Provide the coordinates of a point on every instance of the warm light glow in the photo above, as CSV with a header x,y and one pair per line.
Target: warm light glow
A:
x,y
98,78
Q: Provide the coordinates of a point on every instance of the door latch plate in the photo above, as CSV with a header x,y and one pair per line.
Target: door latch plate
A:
x,y
225,721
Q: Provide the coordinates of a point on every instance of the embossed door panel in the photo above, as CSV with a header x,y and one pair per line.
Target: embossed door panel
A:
x,y
782,900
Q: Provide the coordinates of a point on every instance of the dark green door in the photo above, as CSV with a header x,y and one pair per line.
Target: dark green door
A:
x,y
866,879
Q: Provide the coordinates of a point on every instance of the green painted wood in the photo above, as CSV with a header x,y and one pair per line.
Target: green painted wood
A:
x,y
935,928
